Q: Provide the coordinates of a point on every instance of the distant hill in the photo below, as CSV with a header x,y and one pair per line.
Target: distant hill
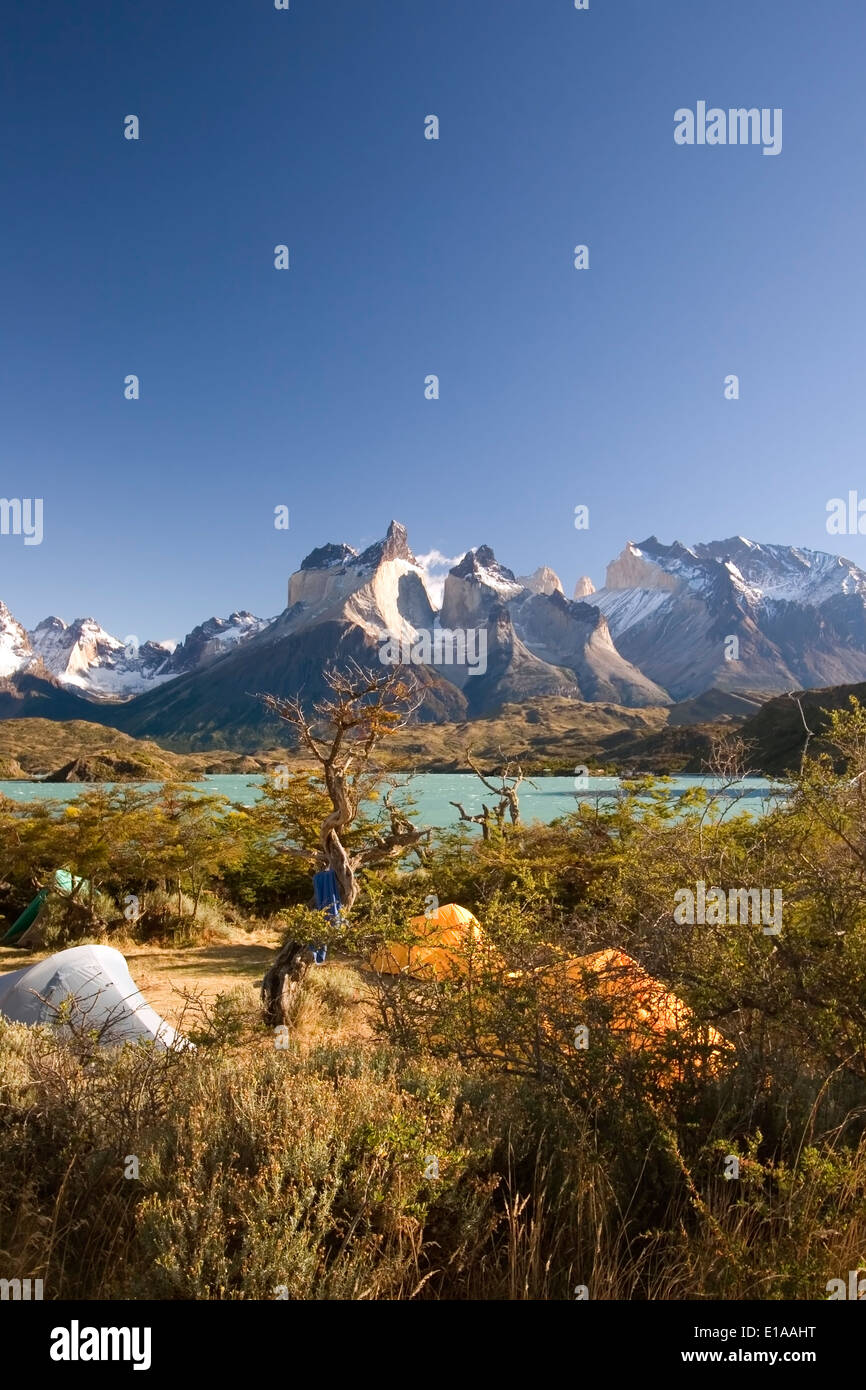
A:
x,y
777,733
675,751
546,734
550,734
715,705
77,751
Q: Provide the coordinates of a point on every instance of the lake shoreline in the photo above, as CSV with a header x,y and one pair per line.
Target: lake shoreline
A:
x,y
433,793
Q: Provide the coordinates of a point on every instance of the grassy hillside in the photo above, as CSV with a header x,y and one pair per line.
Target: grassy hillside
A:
x,y
40,747
556,735
547,735
550,734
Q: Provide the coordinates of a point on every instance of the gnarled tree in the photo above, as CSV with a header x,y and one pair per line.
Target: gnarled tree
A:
x,y
507,799
342,735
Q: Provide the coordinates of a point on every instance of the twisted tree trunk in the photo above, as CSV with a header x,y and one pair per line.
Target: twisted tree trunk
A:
x,y
333,851
281,986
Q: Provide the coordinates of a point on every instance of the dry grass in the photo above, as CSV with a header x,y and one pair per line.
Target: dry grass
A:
x,y
305,1167
309,1169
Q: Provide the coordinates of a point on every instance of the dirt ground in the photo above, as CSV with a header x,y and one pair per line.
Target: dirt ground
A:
x,y
162,975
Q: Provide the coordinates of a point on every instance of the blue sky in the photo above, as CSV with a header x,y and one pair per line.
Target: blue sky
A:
x,y
306,388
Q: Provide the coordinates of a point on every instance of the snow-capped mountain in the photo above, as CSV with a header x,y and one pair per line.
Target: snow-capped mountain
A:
x,y
786,574
211,640
797,617
560,647
82,656
670,623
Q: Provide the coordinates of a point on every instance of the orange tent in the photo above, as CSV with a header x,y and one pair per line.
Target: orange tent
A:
x,y
450,933
644,1012
643,1009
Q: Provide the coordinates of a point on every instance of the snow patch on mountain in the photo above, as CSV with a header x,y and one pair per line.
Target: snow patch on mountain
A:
x,y
15,649
625,608
392,602
213,639
496,577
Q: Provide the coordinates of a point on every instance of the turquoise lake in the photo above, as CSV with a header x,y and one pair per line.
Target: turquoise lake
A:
x,y
433,792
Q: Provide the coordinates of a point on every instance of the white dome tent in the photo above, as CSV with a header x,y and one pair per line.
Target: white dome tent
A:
x,y
102,997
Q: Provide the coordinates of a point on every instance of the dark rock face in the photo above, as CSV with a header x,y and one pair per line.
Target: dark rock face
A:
x,y
482,559
37,695
328,557
776,733
209,641
513,673
51,624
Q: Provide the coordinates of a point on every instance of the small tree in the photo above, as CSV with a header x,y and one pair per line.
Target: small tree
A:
x,y
197,839
364,708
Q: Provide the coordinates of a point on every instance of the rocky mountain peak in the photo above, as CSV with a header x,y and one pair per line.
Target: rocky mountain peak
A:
x,y
544,580
635,569
381,586
15,649
473,585
209,640
482,564
395,546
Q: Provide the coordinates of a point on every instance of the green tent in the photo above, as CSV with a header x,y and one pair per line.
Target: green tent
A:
x,y
63,882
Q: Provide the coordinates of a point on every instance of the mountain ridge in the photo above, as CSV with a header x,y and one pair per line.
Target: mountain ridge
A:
x,y
671,623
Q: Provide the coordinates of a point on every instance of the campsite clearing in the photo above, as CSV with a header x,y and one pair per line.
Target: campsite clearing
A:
x,y
335,1006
